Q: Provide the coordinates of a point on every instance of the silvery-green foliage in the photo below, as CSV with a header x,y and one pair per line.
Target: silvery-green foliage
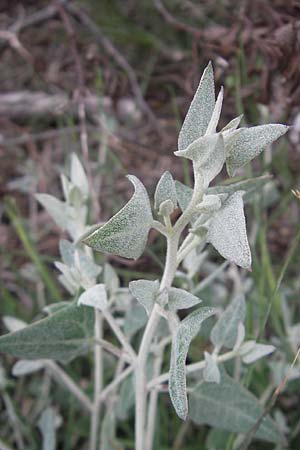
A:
x,y
252,351
13,324
108,439
135,319
214,120
78,176
233,124
110,279
145,292
246,143
26,367
95,296
62,336
185,332
229,406
126,399
227,231
126,233
208,156
210,204
193,262
211,372
165,191
200,110
181,299
58,210
54,307
225,331
47,424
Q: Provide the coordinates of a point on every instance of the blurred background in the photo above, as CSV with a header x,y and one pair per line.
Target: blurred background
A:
x,y
112,80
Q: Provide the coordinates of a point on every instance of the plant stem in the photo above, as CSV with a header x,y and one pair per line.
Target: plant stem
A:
x,y
111,386
98,383
119,333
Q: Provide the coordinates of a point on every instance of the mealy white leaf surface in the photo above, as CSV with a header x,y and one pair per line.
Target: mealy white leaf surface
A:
x,y
95,296
186,331
256,352
246,143
200,110
211,372
233,124
214,120
145,292
227,232
126,233
135,319
184,194
165,190
181,299
225,331
208,155
210,203
13,324
111,279
26,367
56,208
78,176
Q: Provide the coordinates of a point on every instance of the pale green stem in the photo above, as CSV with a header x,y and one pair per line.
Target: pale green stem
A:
x,y
98,383
167,279
119,334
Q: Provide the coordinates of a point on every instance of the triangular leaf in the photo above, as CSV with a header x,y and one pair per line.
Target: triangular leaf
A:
x,y
200,111
233,124
165,190
208,155
78,176
256,352
145,291
126,233
181,299
225,331
186,331
246,143
61,336
227,232
213,123
231,407
95,296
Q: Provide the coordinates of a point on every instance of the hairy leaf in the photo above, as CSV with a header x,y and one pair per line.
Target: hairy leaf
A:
x,y
111,279
95,296
145,291
208,155
227,232
181,299
231,407
233,124
126,233
135,319
58,210
200,110
186,331
256,352
165,190
62,336
225,331
213,123
246,143
26,367
211,372
78,176
184,195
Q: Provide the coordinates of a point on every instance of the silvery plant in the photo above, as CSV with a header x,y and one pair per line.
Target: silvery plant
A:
x,y
153,318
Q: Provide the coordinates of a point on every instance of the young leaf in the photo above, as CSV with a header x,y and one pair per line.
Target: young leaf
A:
x,y
145,291
25,367
126,233
75,257
210,204
200,111
165,190
57,209
62,336
211,372
111,279
256,352
184,195
213,123
246,143
95,296
186,331
208,155
227,232
225,331
78,176
231,407
233,124
181,299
